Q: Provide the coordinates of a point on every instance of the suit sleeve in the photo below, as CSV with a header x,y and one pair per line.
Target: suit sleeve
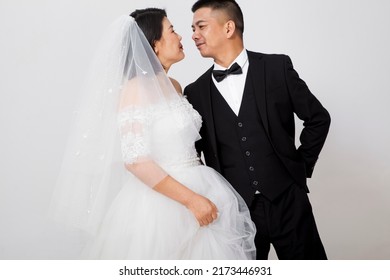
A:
x,y
316,119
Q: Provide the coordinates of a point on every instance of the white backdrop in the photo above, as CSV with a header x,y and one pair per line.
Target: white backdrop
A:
x,y
339,47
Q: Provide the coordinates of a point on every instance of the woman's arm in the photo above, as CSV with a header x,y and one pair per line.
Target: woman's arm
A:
x,y
203,209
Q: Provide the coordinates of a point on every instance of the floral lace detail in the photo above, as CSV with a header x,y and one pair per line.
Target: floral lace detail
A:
x,y
185,112
132,124
133,146
136,126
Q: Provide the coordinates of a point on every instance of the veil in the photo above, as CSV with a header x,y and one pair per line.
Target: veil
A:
x,y
112,128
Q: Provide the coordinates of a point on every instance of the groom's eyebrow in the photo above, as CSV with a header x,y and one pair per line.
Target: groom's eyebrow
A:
x,y
198,22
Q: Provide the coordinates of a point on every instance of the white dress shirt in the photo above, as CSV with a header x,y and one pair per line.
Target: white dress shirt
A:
x,y
232,87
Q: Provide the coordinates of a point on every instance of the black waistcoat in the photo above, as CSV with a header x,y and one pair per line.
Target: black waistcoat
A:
x,y
247,157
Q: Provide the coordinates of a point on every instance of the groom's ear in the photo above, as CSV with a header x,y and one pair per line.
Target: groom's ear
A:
x,y
230,28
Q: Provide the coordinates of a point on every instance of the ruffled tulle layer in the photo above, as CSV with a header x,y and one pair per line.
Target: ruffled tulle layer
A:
x,y
143,224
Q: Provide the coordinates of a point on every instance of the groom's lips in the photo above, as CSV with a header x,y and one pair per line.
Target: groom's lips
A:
x,y
199,45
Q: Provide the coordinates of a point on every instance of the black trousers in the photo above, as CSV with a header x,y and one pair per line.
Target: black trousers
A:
x,y
288,224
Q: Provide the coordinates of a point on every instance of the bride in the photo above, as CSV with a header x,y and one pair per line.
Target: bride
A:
x,y
131,177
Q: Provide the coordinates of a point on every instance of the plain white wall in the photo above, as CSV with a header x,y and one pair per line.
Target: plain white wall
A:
x,y
339,47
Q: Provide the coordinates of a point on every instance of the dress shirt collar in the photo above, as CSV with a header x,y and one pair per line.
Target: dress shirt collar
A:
x,y
241,60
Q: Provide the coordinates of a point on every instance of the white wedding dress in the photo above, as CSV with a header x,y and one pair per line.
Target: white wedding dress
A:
x,y
144,224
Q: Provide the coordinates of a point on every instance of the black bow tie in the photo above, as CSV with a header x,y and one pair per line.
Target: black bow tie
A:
x,y
219,75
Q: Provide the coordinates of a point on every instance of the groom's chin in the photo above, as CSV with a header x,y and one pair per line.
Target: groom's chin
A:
x,y
205,55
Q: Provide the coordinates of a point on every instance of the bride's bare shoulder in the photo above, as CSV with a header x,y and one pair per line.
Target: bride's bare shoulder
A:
x,y
131,93
176,85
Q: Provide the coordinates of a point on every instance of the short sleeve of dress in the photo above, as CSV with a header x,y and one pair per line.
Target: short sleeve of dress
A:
x,y
135,136
135,133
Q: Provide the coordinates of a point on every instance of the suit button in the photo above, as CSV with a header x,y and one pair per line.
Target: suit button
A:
x,y
248,153
239,124
243,139
251,168
255,183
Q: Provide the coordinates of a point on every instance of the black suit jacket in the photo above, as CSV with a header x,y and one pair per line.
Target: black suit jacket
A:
x,y
280,94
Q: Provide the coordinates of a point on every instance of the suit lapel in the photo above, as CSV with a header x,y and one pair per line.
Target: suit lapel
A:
x,y
208,111
257,72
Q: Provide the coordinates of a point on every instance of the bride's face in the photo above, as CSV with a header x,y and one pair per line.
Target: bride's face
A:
x,y
169,50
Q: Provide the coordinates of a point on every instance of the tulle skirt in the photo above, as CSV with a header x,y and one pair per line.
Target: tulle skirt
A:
x,y
144,224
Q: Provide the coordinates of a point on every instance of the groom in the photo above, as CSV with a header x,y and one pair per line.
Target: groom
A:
x,y
247,101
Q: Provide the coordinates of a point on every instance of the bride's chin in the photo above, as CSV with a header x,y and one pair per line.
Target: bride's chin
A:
x,y
181,57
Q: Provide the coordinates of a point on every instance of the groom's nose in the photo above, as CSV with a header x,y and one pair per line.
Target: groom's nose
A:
x,y
195,35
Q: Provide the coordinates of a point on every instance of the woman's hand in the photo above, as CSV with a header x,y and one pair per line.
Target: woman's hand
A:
x,y
203,209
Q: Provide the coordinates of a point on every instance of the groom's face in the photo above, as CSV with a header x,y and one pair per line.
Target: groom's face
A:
x,y
209,34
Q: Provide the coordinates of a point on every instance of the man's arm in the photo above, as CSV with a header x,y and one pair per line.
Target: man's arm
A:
x,y
316,119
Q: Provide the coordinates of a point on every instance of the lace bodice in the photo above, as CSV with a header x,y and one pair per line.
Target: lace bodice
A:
x,y
157,133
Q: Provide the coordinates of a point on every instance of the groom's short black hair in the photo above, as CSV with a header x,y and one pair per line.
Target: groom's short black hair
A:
x,y
230,7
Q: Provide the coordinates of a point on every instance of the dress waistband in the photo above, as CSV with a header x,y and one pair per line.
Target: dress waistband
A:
x,y
187,163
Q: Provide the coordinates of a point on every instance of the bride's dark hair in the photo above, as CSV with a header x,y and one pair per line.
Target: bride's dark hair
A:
x,y
150,22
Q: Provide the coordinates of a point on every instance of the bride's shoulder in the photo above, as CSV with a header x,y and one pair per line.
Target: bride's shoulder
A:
x,y
177,86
